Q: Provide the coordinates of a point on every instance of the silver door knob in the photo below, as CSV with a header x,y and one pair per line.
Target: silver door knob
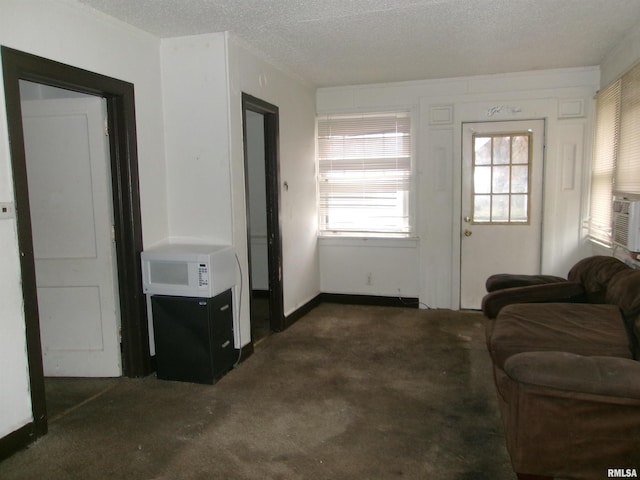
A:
x,y
468,233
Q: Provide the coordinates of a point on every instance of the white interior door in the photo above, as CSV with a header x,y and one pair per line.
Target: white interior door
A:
x,y
501,224
71,214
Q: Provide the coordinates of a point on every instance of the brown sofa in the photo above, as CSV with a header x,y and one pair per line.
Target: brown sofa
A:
x,y
565,358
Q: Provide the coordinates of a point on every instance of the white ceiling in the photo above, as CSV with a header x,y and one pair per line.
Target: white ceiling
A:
x,y
343,42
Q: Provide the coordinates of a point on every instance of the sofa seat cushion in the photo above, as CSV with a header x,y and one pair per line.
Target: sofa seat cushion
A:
x,y
583,329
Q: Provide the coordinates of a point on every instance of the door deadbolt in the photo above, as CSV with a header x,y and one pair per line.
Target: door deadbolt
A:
x,y
467,219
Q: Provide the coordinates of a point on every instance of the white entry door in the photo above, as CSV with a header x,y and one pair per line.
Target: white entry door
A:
x,y
501,224
71,214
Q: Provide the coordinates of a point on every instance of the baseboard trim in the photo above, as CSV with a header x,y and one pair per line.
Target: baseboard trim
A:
x,y
302,311
246,352
405,302
346,299
17,440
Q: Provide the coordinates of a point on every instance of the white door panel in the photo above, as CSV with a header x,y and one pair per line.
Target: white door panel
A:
x,y
501,222
82,331
71,214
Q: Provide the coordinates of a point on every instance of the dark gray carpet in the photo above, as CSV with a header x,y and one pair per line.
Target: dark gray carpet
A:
x,y
66,394
260,322
348,392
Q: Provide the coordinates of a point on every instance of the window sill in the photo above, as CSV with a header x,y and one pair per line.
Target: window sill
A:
x,y
362,241
600,244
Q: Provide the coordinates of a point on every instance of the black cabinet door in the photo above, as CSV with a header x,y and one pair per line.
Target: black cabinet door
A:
x,y
193,337
224,355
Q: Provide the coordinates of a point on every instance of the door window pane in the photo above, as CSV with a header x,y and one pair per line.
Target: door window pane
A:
x,y
500,208
501,179
482,148
520,149
482,208
501,173
519,208
520,179
501,150
482,180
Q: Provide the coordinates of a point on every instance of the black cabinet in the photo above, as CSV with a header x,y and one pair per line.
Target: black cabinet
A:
x,y
193,337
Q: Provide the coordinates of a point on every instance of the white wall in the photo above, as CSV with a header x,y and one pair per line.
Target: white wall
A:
x,y
203,79
563,97
73,35
373,266
621,58
196,107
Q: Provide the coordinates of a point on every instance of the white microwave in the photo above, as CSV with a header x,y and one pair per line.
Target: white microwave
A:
x,y
185,270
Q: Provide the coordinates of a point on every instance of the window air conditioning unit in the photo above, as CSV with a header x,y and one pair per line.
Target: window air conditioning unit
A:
x,y
626,224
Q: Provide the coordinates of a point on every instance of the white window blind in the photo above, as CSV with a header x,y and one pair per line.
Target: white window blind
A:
x,y
627,179
365,173
603,170
616,163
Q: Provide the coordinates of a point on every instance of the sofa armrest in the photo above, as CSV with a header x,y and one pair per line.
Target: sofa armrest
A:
x,y
561,292
500,281
607,376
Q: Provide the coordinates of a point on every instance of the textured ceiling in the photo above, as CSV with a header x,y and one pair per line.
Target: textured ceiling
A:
x,y
342,42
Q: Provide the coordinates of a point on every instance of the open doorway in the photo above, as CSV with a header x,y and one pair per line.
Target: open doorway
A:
x,y
260,127
67,156
127,230
67,152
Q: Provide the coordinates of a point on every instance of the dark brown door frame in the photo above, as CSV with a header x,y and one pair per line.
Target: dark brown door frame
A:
x,y
272,169
119,96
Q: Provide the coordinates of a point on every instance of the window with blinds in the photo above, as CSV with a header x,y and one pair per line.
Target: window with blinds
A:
x,y
616,164
604,163
627,179
365,174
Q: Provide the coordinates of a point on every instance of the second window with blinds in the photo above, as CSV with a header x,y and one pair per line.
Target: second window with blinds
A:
x,y
616,163
365,174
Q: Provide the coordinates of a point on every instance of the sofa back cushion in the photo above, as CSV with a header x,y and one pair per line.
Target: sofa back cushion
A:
x,y
594,273
624,291
578,328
